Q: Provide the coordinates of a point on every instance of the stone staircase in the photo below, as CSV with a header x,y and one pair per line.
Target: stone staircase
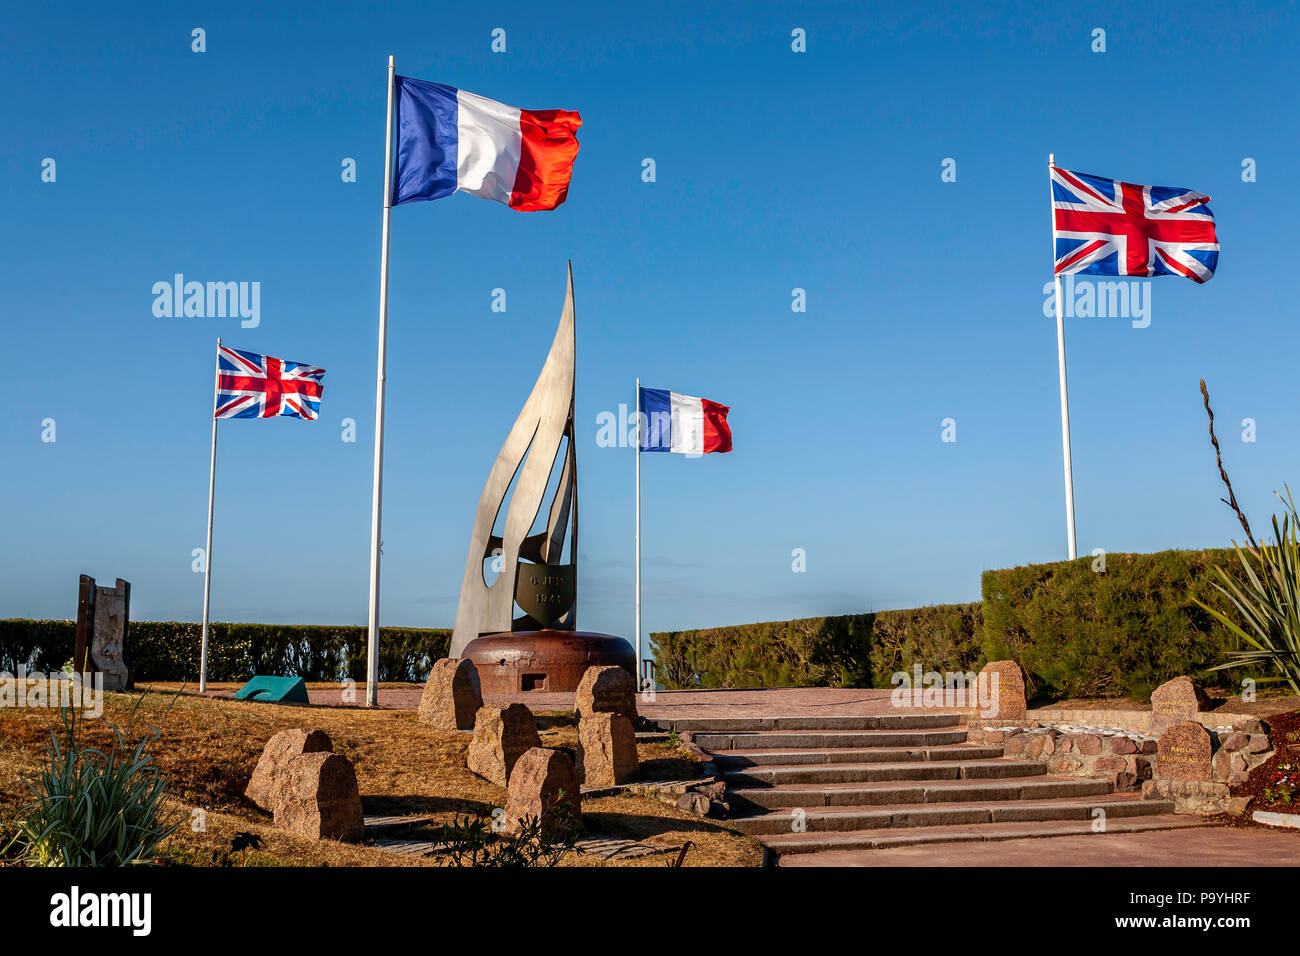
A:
x,y
810,784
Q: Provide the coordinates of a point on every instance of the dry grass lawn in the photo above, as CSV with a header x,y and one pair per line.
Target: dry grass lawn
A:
x,y
209,747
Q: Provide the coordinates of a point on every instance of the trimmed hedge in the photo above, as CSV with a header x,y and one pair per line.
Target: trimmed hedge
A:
x,y
169,650
851,650
1081,633
1075,631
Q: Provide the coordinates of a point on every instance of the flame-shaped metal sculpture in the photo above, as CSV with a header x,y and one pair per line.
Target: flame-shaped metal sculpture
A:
x,y
531,575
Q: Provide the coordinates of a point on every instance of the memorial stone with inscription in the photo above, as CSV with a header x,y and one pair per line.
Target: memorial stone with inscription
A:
x,y
1183,752
1175,701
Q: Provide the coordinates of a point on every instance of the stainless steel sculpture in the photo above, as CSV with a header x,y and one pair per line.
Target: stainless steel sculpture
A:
x,y
531,575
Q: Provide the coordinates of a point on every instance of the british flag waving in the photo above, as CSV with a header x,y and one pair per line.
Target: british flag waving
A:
x,y
1106,227
259,386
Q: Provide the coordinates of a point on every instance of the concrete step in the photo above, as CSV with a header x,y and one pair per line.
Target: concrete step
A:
x,y
828,739
748,800
875,722
727,759
863,772
841,819
876,839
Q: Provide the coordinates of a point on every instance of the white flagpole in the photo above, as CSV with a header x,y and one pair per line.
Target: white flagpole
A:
x,y
637,411
376,506
1060,361
207,548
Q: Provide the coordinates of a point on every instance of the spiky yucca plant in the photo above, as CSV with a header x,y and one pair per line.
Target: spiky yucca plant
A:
x,y
94,807
1267,604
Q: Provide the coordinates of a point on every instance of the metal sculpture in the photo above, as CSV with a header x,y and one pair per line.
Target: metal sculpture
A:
x,y
531,575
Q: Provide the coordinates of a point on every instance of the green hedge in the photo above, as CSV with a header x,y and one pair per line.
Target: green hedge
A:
x,y
851,650
1076,632
169,650
1081,633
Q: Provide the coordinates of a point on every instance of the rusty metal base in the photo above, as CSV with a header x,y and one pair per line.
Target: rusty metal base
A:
x,y
553,661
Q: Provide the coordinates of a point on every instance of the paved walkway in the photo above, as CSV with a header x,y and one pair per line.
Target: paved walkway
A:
x,y
772,702
1201,847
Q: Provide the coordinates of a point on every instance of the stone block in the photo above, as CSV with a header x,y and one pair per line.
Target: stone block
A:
x,y
1176,701
607,689
606,750
1089,744
452,695
1183,753
278,753
1008,692
544,786
501,736
317,797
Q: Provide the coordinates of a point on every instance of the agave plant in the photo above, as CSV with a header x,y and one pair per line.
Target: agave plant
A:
x,y
1267,603
94,807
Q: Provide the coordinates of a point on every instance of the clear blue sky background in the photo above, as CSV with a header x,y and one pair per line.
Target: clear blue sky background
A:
x,y
775,170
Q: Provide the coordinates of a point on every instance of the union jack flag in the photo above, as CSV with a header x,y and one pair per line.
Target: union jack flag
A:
x,y
1106,227
259,386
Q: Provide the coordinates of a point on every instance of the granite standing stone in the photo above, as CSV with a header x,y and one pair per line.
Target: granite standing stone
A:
x,y
452,695
606,750
1175,701
609,690
1008,696
278,753
317,797
501,736
1183,753
544,785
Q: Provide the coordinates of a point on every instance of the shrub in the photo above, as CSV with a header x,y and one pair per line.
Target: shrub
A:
x,y
169,650
472,842
851,650
1118,632
1265,596
94,807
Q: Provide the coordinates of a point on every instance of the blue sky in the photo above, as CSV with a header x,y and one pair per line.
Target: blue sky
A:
x,y
775,170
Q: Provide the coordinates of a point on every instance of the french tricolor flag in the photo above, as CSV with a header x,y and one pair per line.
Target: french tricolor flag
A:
x,y
682,423
449,140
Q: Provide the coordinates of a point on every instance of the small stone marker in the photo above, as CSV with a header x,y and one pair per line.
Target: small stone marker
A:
x,y
317,797
501,736
606,750
1175,701
606,690
452,695
1008,696
1183,752
543,782
278,753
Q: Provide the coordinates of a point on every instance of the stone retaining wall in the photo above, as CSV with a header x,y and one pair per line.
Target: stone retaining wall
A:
x,y
1127,757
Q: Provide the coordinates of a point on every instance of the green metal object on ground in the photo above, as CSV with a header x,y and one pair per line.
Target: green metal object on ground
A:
x,y
274,690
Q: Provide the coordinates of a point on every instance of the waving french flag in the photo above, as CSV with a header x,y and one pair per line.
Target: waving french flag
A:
x,y
683,423
449,140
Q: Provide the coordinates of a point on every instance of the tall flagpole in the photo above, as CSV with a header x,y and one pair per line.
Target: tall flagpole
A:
x,y
1060,361
207,548
637,411
376,506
